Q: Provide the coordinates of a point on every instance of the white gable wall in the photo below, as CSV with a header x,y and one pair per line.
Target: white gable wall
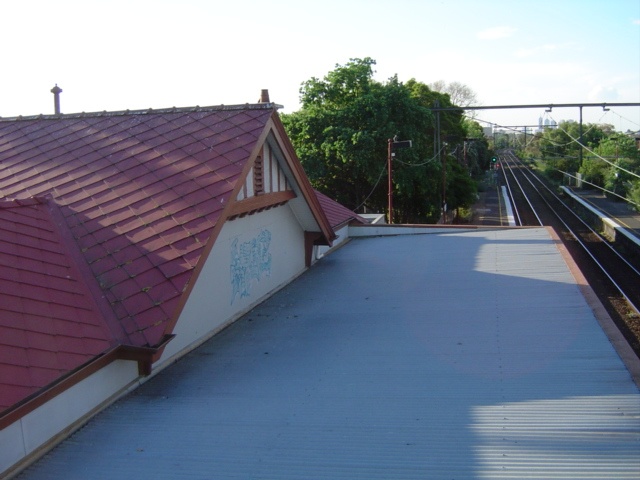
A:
x,y
274,177
252,257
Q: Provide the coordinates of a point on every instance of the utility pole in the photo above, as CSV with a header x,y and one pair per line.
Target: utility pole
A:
x,y
389,175
392,145
444,185
580,137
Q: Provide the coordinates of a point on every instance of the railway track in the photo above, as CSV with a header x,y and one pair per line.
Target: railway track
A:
x,y
615,279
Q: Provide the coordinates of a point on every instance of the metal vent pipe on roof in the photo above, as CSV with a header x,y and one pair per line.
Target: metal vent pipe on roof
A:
x,y
56,98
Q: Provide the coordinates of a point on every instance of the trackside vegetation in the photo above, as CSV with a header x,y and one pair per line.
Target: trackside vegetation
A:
x,y
602,159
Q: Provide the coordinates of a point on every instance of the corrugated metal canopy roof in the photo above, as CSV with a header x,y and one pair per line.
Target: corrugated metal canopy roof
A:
x,y
460,355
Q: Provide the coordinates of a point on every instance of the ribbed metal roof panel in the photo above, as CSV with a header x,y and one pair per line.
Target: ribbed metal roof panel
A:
x,y
468,355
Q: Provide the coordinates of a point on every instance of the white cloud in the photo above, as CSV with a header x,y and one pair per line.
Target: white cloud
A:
x,y
496,33
601,93
541,49
545,49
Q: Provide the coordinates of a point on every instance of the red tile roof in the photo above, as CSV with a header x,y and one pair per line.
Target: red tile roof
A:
x,y
49,322
136,197
338,214
132,193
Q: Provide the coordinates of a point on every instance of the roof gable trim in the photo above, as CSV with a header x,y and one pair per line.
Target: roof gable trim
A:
x,y
275,125
259,203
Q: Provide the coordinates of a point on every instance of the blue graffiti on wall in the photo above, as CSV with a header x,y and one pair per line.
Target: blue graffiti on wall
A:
x,y
250,261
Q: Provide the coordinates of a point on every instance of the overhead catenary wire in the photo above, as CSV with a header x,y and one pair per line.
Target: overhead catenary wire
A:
x,y
497,125
625,118
384,168
426,162
575,140
572,139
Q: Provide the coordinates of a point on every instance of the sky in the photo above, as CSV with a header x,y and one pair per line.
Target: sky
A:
x,y
138,54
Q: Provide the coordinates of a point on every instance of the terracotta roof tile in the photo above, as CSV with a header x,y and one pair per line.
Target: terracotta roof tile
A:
x,y
140,194
40,358
10,354
44,375
337,214
68,360
14,337
42,304
12,394
16,374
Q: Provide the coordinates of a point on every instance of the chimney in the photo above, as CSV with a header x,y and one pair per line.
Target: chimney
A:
x,y
264,96
56,98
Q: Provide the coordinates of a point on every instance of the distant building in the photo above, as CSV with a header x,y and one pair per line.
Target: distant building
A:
x,y
546,123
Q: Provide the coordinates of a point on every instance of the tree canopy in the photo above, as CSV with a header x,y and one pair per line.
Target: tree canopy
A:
x,y
609,161
341,135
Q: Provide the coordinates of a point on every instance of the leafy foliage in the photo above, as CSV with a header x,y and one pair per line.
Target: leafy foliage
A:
x,y
610,160
633,194
341,136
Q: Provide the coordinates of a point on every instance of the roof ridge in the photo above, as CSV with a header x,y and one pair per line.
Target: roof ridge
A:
x,y
147,111
91,283
65,239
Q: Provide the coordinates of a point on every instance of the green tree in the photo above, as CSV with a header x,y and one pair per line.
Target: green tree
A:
x,y
561,147
633,194
341,135
476,148
598,168
620,177
560,150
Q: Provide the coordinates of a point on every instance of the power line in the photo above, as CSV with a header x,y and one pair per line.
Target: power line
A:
x,y
548,106
575,140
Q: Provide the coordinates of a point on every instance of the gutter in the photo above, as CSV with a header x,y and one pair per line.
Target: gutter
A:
x,y
145,356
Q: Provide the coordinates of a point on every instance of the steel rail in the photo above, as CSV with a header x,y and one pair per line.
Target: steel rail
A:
x,y
570,210
513,200
576,236
526,197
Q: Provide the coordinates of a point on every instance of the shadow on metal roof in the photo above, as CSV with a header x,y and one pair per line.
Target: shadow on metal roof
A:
x,y
460,355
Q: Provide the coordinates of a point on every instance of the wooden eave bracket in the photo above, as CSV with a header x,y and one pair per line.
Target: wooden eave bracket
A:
x,y
145,356
312,239
260,202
